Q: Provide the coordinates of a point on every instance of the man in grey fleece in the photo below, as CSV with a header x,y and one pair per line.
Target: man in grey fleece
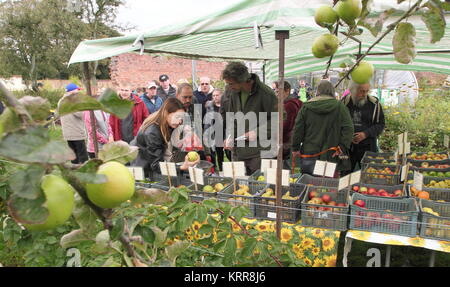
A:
x,y
74,130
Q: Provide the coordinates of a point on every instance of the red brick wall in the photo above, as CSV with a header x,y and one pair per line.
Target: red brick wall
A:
x,y
133,70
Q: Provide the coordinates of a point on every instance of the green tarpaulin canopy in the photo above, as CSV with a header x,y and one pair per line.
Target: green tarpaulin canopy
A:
x,y
234,33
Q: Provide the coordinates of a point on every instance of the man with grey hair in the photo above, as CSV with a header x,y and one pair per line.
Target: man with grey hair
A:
x,y
248,95
368,120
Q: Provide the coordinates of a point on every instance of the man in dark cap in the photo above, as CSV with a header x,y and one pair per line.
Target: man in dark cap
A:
x,y
165,89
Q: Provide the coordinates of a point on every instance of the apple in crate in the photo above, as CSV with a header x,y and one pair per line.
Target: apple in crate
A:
x,y
326,198
398,192
355,188
371,191
360,203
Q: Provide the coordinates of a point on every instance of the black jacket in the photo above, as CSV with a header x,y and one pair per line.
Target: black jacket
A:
x,y
368,119
162,94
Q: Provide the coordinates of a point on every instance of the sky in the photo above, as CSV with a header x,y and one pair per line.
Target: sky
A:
x,y
150,14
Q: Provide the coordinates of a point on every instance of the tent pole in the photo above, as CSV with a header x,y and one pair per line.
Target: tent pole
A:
x,y
194,75
281,36
87,83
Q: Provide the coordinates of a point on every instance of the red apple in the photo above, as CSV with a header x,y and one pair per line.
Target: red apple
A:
x,y
398,192
383,193
371,190
341,204
326,198
312,194
359,203
332,203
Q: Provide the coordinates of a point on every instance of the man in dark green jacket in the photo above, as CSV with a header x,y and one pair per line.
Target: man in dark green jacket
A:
x,y
249,96
323,123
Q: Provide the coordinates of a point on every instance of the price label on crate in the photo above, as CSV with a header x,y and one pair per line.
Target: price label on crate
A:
x,y
446,141
168,168
196,175
404,172
330,169
355,177
344,182
407,148
403,138
234,169
272,215
137,172
271,176
319,168
418,180
322,215
268,163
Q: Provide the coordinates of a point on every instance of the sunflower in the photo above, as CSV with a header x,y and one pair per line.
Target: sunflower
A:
x,y
214,237
272,227
330,261
318,262
196,226
298,251
307,261
318,233
189,231
286,235
299,228
259,238
262,227
239,244
307,243
328,243
248,226
316,251
235,227
189,237
288,224
197,236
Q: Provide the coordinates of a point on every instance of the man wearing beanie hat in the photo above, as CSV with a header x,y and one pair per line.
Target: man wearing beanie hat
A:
x,y
73,128
165,90
323,123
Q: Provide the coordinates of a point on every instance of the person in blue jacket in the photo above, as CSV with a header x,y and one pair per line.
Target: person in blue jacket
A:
x,y
151,99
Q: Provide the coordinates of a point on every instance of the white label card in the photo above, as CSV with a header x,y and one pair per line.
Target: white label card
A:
x,y
446,141
268,163
330,169
239,169
138,172
344,182
272,215
404,173
319,168
271,176
418,180
355,177
196,175
407,148
168,168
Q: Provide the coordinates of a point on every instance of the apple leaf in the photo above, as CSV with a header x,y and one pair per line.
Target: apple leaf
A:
x,y
118,151
366,8
400,1
113,104
404,43
175,250
28,211
229,251
160,236
446,6
118,228
88,173
375,25
10,121
102,241
76,103
434,19
27,183
85,217
73,238
34,145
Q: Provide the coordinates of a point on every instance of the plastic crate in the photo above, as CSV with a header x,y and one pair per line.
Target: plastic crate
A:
x,y
380,157
433,226
226,195
435,193
385,215
379,178
175,181
325,216
199,195
259,173
265,207
388,188
419,164
309,180
409,159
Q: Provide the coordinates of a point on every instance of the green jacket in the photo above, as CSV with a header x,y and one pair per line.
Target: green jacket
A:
x,y
323,122
261,99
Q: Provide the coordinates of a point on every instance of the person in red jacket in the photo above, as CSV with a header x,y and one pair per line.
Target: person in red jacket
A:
x,y
292,106
126,129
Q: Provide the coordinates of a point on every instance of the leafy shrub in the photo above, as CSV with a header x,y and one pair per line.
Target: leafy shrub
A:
x,y
426,121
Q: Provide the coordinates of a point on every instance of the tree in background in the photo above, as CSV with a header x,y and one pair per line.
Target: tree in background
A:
x,y
37,38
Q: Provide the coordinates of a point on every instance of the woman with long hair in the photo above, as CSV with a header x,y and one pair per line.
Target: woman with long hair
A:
x,y
154,138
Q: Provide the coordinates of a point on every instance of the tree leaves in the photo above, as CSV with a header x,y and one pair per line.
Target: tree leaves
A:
x,y
33,145
73,238
375,25
113,104
434,19
118,151
404,43
27,183
175,250
88,173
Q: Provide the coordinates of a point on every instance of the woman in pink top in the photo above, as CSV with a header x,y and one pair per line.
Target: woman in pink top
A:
x,y
104,131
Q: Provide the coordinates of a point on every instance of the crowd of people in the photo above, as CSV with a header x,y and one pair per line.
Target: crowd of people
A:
x,y
316,125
